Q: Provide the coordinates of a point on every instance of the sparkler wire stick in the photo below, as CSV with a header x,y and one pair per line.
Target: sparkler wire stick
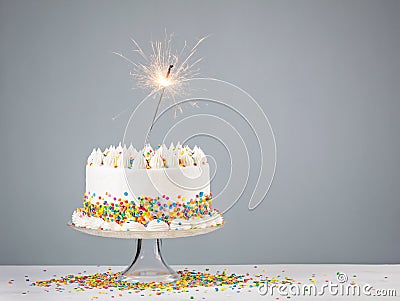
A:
x,y
158,106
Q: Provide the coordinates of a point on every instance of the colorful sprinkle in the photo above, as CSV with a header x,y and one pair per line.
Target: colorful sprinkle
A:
x,y
159,208
190,279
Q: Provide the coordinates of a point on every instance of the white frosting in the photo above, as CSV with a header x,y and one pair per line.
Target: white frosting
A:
x,y
186,159
207,221
80,219
127,159
199,223
157,161
109,158
214,220
119,159
217,220
95,158
94,222
172,160
91,157
180,224
112,226
198,156
156,225
132,226
122,157
140,161
98,160
185,181
119,149
148,151
164,151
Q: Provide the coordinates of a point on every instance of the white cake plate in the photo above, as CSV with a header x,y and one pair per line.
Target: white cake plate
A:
x,y
148,264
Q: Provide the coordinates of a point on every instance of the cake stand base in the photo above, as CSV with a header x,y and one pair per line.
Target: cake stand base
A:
x,y
148,264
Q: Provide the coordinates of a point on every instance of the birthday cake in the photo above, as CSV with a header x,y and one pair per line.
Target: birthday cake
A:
x,y
147,190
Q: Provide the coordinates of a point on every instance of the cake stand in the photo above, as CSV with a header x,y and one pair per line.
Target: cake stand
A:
x,y
148,265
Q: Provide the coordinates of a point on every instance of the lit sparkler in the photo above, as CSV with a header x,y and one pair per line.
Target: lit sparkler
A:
x,y
151,75
165,85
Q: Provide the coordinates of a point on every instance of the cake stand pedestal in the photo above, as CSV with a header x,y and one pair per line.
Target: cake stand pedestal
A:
x,y
148,264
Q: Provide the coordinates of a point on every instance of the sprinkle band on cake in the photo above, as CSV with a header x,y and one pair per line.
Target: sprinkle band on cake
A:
x,y
165,189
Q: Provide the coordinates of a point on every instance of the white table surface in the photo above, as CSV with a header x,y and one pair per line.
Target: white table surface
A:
x,y
15,282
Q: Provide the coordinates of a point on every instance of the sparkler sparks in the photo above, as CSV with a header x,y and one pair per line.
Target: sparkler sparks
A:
x,y
150,75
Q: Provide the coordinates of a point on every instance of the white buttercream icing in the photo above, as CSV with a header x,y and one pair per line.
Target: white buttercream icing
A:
x,y
199,223
119,149
98,158
164,151
121,156
90,160
217,219
180,224
132,226
157,225
186,159
129,155
80,219
148,151
119,160
157,161
140,161
112,226
185,181
171,160
207,221
127,159
109,158
198,156
94,222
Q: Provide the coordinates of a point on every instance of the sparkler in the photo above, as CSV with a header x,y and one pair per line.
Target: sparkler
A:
x,y
151,76
159,102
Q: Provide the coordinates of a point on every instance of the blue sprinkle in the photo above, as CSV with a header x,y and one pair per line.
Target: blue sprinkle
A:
x,y
125,193
201,194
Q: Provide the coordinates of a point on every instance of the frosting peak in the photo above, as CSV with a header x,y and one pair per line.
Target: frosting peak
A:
x,y
147,158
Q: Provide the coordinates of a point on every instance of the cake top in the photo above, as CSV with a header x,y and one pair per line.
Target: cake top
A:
x,y
147,158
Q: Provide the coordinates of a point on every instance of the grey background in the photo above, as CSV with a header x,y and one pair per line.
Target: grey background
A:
x,y
326,72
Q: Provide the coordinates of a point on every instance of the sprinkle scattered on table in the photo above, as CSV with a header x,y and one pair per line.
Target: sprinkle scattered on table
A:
x,y
220,281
